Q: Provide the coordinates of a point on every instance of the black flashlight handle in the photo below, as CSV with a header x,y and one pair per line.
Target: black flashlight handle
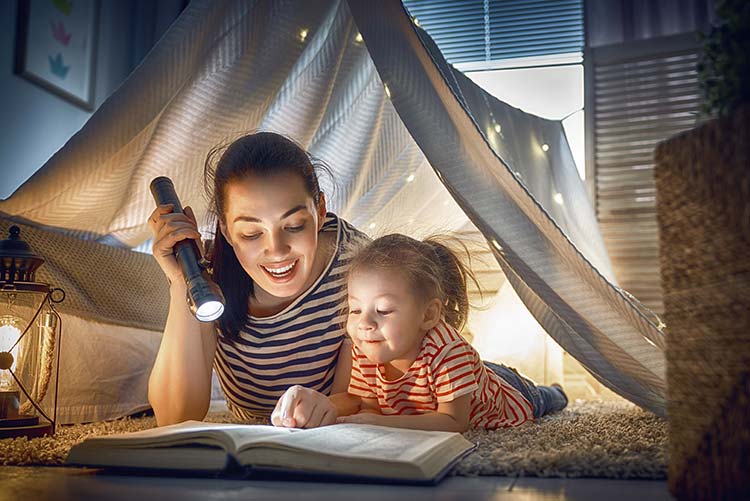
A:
x,y
186,251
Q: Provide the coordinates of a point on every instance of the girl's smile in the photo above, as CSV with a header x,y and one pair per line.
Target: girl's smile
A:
x,y
387,321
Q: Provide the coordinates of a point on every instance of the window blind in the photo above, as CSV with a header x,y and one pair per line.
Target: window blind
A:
x,y
641,95
493,30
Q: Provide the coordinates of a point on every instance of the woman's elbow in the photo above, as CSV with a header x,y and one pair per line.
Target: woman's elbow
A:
x,y
178,414
170,410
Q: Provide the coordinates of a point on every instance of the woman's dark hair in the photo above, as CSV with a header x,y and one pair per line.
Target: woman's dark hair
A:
x,y
260,154
433,269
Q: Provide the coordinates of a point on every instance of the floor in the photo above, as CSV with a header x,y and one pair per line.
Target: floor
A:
x,y
61,484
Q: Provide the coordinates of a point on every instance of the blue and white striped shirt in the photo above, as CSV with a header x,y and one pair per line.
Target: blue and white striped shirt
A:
x,y
298,345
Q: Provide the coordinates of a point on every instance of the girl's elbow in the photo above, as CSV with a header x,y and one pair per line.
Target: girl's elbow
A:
x,y
463,423
456,424
462,426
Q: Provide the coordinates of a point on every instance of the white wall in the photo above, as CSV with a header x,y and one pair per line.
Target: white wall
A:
x,y
553,92
36,122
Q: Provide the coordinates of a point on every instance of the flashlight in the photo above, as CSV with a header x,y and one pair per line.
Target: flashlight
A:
x,y
204,297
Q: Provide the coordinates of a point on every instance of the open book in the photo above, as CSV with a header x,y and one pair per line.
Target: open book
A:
x,y
343,451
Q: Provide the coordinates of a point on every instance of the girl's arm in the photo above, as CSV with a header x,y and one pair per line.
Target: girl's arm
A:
x,y
369,405
449,416
344,403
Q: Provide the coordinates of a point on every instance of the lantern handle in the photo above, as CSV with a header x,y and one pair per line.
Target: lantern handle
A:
x,y
53,298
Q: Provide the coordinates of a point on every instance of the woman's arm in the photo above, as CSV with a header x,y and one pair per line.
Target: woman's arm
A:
x,y
179,387
449,416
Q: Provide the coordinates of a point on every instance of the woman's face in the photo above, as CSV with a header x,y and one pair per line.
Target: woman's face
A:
x,y
272,224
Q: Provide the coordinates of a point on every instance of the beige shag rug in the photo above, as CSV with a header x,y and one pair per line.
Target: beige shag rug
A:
x,y
587,439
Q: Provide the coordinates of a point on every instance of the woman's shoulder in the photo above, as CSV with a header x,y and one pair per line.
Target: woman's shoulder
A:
x,y
350,239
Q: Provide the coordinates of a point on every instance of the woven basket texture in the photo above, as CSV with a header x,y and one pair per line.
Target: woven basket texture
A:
x,y
703,209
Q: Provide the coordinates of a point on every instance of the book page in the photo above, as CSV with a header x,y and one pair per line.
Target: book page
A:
x,y
227,436
363,441
245,435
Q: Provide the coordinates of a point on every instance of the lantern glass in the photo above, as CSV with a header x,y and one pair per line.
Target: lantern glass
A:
x,y
10,337
28,387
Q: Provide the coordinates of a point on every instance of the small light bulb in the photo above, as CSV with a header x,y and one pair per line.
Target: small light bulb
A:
x,y
410,178
545,147
358,38
416,22
496,245
9,337
387,90
303,34
372,226
558,198
498,128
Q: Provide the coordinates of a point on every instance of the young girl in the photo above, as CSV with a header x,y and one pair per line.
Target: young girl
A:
x,y
411,368
281,261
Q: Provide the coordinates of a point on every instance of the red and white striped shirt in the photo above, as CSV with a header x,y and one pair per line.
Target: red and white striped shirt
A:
x,y
446,368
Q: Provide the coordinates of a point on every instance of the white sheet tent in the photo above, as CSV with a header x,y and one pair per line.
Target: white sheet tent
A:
x,y
378,108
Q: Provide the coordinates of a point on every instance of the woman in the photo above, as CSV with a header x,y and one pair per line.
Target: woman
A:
x,y
280,260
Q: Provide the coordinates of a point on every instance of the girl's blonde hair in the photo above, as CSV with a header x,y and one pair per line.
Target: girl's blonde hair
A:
x,y
432,267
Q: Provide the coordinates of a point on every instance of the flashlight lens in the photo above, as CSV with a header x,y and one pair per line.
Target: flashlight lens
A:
x,y
208,311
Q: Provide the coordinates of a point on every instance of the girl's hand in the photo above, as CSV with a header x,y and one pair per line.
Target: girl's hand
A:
x,y
168,229
361,418
301,407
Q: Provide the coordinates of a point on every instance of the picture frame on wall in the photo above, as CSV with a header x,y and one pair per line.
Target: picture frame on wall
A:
x,y
56,47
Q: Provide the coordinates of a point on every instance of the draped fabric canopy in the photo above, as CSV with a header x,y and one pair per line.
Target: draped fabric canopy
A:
x,y
414,146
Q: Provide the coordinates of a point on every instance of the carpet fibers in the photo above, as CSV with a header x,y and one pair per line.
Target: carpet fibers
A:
x,y
587,439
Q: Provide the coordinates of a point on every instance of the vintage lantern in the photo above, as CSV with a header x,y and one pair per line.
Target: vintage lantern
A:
x,y
30,330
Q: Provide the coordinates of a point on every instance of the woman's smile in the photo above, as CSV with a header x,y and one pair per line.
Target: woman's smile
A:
x,y
272,224
281,272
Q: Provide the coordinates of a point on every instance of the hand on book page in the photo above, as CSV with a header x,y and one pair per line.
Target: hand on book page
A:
x,y
301,407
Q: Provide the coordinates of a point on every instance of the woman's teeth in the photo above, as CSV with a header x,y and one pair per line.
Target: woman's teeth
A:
x,y
280,272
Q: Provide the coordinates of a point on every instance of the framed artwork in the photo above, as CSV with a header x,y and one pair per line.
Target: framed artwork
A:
x,y
56,47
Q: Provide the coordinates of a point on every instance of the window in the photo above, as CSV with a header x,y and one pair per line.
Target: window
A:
x,y
487,31
527,53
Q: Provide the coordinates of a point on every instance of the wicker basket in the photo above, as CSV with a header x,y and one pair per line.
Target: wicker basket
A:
x,y
703,203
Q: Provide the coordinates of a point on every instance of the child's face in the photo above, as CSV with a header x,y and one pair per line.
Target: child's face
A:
x,y
386,321
272,224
